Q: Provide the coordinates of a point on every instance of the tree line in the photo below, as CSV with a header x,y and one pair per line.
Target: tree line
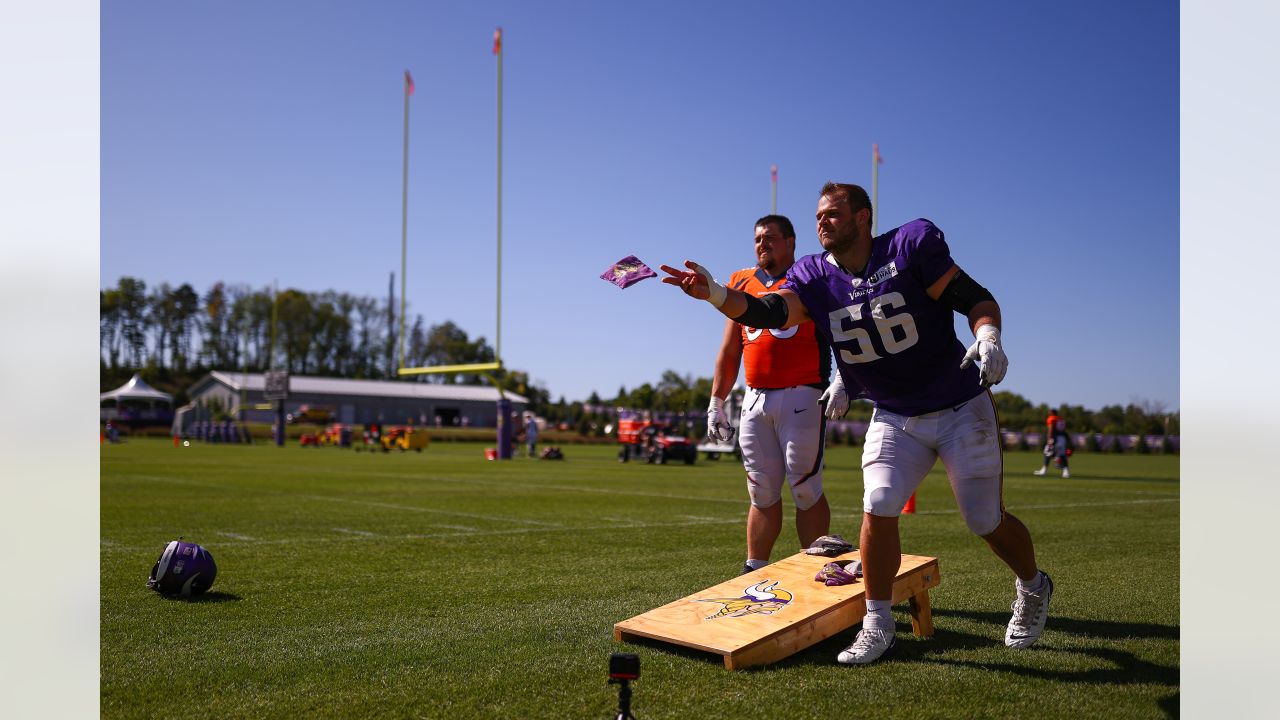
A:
x,y
174,335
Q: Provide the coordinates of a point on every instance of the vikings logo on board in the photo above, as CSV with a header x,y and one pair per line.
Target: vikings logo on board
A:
x,y
760,599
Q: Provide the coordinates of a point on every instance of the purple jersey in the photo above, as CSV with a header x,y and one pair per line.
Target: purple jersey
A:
x,y
890,338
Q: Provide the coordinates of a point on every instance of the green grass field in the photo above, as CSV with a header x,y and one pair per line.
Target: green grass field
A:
x,y
439,585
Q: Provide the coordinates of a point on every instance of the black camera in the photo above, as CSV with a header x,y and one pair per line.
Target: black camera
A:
x,y
624,666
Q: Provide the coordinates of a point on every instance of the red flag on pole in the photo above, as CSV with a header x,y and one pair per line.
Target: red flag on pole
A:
x,y
497,41
773,172
875,150
408,83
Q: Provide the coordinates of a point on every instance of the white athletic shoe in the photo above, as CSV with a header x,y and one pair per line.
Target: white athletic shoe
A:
x,y
1030,611
1039,472
1066,473
867,648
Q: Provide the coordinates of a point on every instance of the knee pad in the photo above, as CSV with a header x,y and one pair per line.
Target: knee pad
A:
x,y
764,492
883,502
807,493
984,522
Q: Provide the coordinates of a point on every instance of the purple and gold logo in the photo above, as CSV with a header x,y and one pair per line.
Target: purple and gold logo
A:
x,y
760,599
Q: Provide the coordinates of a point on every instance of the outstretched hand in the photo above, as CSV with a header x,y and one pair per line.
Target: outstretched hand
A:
x,y
695,284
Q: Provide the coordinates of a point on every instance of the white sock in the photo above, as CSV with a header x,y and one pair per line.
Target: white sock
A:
x,y
878,615
1034,586
756,564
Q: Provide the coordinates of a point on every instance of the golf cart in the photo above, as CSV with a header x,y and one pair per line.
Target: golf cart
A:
x,y
643,439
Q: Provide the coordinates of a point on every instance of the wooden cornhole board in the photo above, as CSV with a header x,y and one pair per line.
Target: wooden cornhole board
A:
x,y
724,619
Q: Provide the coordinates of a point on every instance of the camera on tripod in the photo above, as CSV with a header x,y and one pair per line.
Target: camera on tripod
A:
x,y
623,668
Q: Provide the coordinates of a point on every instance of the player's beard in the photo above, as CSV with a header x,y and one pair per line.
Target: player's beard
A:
x,y
839,241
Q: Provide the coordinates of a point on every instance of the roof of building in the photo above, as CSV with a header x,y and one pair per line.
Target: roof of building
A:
x,y
364,388
135,389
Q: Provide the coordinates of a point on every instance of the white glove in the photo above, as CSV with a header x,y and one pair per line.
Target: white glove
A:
x,y
986,350
718,427
834,400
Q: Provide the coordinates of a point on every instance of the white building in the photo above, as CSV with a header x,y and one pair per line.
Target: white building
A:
x,y
354,402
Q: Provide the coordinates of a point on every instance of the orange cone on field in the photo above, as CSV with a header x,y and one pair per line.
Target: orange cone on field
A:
x,y
910,507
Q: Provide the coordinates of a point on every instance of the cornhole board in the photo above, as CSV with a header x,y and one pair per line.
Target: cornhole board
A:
x,y
778,610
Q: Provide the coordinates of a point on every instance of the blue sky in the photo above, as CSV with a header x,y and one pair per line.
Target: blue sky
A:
x,y
249,142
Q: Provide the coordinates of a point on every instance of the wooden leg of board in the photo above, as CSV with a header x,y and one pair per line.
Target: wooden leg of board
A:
x,y
921,614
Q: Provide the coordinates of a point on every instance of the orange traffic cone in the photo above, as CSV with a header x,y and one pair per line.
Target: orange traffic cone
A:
x,y
910,507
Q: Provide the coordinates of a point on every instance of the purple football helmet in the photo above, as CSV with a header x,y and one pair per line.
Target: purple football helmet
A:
x,y
183,569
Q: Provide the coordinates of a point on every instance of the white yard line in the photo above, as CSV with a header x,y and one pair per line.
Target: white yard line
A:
x,y
1057,506
414,508
353,501
693,521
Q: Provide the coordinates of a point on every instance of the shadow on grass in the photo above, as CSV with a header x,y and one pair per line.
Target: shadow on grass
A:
x,y
1071,626
677,650
1124,668
209,597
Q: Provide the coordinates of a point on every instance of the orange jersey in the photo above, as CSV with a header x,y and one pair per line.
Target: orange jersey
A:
x,y
1056,425
779,358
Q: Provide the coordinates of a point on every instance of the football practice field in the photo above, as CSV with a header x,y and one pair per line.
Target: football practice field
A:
x,y
441,585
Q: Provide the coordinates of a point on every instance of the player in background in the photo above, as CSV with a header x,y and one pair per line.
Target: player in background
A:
x,y
886,305
1056,444
531,433
782,428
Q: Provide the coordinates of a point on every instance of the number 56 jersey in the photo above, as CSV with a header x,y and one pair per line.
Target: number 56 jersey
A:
x,y
890,338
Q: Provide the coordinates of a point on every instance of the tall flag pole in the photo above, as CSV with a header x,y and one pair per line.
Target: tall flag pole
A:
x,y
404,209
497,50
876,160
773,175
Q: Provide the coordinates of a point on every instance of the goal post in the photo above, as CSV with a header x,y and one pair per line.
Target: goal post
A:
x,y
450,369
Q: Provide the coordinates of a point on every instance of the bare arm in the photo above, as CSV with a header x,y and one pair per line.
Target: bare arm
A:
x,y
697,285
986,312
728,360
964,295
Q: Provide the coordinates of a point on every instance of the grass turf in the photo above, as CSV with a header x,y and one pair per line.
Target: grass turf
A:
x,y
441,585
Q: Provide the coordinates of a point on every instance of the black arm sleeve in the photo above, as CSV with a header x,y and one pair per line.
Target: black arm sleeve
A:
x,y
962,293
768,312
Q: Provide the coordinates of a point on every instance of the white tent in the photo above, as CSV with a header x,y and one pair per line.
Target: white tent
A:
x,y
136,389
136,401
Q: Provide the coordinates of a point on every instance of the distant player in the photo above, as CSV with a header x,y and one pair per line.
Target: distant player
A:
x,y
531,433
1057,444
782,428
885,304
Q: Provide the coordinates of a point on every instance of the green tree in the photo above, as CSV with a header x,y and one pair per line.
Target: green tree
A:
x,y
184,305
448,344
132,299
294,330
217,346
110,332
